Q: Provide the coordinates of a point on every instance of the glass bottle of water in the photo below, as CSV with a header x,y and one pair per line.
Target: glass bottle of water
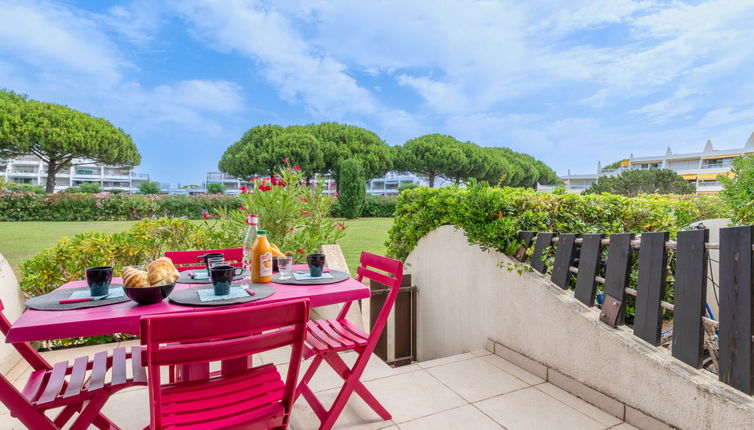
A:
x,y
248,241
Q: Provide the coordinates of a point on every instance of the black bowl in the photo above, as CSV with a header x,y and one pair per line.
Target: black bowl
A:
x,y
149,295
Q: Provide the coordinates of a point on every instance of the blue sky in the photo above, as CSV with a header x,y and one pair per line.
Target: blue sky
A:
x,y
570,82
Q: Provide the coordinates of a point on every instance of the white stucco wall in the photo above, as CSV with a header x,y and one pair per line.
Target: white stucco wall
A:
x,y
714,225
10,294
465,299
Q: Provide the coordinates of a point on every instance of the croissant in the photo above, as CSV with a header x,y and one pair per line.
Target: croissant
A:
x,y
162,272
135,278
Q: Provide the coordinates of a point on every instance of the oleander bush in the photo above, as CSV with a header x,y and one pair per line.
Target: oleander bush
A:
x,y
296,215
28,206
492,217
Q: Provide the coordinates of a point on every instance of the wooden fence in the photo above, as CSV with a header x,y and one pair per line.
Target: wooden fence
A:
x,y
577,262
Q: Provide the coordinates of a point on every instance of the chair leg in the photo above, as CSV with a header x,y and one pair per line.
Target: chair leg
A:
x,y
313,402
102,422
66,414
307,376
338,405
340,367
91,411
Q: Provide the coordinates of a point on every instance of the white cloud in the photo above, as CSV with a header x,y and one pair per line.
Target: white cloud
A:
x,y
677,104
58,40
300,72
580,15
138,21
208,96
726,115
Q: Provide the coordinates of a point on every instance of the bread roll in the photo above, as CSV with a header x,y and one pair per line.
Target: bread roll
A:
x,y
162,272
135,278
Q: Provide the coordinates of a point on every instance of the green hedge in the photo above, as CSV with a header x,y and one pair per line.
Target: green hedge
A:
x,y
26,206
374,206
492,217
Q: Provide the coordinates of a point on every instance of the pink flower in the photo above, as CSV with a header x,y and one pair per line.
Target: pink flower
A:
x,y
341,226
335,193
290,230
300,251
205,214
243,208
303,199
285,160
305,213
331,185
244,189
297,167
264,187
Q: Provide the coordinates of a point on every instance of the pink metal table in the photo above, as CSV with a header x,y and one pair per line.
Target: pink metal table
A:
x,y
34,325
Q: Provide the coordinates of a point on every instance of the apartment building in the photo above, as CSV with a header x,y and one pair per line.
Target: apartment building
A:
x,y
30,169
698,168
384,186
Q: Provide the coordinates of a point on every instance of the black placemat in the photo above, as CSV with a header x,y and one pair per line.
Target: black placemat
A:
x,y
186,278
337,276
51,301
189,297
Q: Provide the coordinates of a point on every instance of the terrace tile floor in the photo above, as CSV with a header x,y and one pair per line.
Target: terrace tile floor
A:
x,y
475,390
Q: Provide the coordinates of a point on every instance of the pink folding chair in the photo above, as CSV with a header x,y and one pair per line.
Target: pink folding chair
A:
x,y
326,338
187,260
255,397
78,387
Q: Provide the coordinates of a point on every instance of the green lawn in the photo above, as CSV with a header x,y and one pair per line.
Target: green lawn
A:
x,y
364,234
21,240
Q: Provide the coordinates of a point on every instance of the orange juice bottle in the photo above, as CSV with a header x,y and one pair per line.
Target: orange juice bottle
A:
x,y
261,259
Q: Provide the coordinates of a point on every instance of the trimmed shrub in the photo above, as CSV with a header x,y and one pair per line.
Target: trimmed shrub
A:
x,y
379,206
108,207
149,187
492,217
90,188
374,206
215,188
23,188
407,186
352,188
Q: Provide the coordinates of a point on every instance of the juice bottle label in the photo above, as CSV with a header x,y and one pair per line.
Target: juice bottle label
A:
x,y
265,264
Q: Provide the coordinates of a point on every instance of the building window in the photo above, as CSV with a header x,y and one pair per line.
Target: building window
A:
x,y
709,183
648,166
83,171
716,163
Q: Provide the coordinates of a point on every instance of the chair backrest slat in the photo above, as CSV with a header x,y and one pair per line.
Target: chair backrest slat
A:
x,y
379,277
185,260
188,353
223,334
394,269
230,323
